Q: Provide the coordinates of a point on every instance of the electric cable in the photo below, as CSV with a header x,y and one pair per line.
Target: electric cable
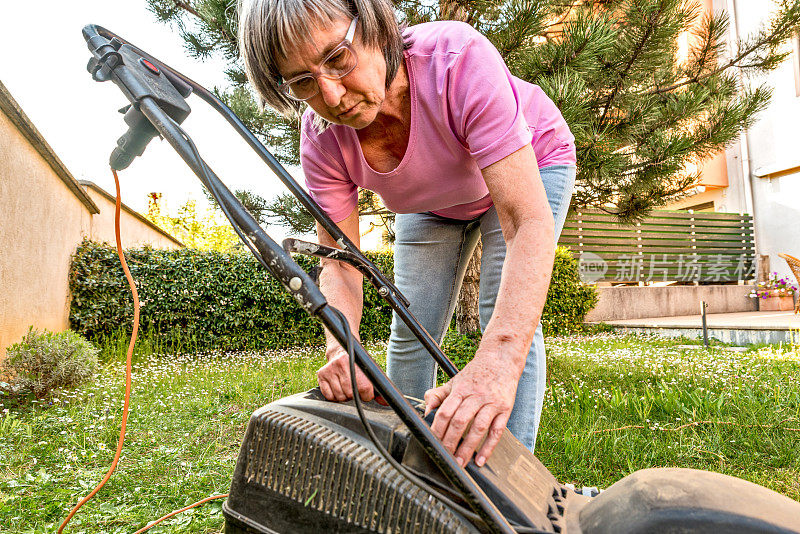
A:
x,y
475,518
128,365
176,512
128,360
215,192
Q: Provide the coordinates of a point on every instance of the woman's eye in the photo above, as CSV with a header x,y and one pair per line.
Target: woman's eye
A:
x,y
337,60
303,83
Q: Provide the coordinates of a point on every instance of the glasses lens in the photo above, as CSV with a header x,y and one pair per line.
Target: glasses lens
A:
x,y
304,88
339,63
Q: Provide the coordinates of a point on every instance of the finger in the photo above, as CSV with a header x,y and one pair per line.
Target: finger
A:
x,y
325,388
434,397
459,423
496,430
380,400
336,388
365,390
443,416
344,383
341,378
481,424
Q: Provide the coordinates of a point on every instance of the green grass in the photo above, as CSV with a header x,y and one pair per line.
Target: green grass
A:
x,y
743,402
189,414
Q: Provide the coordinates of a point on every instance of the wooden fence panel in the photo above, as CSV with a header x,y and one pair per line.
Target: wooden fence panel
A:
x,y
666,246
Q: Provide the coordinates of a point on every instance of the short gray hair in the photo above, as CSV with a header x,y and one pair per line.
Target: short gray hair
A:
x,y
268,28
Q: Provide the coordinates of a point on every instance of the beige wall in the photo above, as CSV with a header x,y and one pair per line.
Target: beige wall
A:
x,y
134,231
41,222
617,303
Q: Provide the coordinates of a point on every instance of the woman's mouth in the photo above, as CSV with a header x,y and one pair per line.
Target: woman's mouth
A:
x,y
348,112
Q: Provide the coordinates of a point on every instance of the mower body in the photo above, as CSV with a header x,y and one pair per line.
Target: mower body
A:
x,y
306,465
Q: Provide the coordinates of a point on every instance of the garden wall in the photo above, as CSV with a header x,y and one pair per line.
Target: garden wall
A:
x,y
633,302
46,213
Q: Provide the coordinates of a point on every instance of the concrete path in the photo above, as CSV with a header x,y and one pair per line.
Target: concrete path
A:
x,y
750,320
739,327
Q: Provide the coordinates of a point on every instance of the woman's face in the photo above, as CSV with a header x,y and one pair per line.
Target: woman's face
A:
x,y
353,100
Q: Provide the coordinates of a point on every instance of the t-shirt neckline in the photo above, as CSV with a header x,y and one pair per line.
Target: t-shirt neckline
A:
x,y
411,136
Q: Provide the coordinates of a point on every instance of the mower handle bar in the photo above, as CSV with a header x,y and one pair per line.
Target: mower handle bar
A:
x,y
97,37
280,264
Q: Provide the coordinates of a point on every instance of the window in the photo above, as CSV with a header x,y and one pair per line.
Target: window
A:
x,y
705,206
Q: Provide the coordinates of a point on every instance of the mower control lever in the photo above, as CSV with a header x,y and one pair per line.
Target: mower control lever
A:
x,y
321,251
377,279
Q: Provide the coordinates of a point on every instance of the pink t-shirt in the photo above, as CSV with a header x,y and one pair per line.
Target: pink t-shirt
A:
x,y
467,112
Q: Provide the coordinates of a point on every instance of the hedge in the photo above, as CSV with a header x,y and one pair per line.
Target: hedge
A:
x,y
568,299
212,300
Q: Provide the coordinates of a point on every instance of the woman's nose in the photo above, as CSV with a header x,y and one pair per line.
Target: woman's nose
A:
x,y
332,91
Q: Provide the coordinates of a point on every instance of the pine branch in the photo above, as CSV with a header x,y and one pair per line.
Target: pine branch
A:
x,y
562,20
772,39
636,52
212,22
186,6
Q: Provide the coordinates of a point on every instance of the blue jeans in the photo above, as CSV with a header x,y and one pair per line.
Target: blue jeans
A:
x,y
431,254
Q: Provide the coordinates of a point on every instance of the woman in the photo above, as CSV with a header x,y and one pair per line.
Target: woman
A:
x,y
431,119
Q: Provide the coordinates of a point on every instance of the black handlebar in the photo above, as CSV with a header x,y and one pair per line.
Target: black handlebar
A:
x,y
157,95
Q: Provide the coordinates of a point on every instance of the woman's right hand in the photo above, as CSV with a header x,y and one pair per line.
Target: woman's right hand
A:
x,y
334,379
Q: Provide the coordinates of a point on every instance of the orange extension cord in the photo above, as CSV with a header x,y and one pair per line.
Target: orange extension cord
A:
x,y
127,384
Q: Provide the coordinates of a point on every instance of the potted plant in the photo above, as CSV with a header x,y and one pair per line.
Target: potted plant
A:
x,y
774,294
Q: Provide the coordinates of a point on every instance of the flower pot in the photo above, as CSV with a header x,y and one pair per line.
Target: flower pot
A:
x,y
776,301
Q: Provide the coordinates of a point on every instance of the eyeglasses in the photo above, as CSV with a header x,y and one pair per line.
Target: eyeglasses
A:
x,y
337,64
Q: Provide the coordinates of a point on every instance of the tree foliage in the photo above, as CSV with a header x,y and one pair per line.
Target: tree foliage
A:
x,y
257,205
194,229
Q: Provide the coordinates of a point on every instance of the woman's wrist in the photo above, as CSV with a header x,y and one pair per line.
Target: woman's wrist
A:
x,y
505,352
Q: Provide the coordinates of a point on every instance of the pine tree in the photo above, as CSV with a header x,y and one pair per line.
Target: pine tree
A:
x,y
640,112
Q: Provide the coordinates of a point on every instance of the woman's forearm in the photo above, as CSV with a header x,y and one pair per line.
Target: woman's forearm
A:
x,y
342,286
528,229
523,291
341,283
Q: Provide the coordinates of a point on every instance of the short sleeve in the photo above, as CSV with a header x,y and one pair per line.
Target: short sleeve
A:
x,y
484,103
326,178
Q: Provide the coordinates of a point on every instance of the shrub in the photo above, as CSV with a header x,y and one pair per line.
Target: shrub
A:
x,y
206,300
202,299
44,361
568,299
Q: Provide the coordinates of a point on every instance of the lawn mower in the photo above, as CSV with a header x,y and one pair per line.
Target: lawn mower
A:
x,y
310,465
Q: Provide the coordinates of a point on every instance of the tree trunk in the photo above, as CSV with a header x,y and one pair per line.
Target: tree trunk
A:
x,y
467,316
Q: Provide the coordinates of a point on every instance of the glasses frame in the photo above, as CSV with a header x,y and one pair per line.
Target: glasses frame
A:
x,y
347,43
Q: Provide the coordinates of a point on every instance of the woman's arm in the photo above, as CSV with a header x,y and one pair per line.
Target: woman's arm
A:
x,y
342,286
483,393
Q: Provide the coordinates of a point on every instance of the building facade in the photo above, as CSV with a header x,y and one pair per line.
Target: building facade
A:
x,y
760,174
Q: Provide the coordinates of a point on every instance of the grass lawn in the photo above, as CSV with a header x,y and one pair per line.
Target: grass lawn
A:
x,y
614,404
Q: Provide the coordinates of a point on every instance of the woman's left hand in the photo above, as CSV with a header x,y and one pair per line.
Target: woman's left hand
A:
x,y
478,400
